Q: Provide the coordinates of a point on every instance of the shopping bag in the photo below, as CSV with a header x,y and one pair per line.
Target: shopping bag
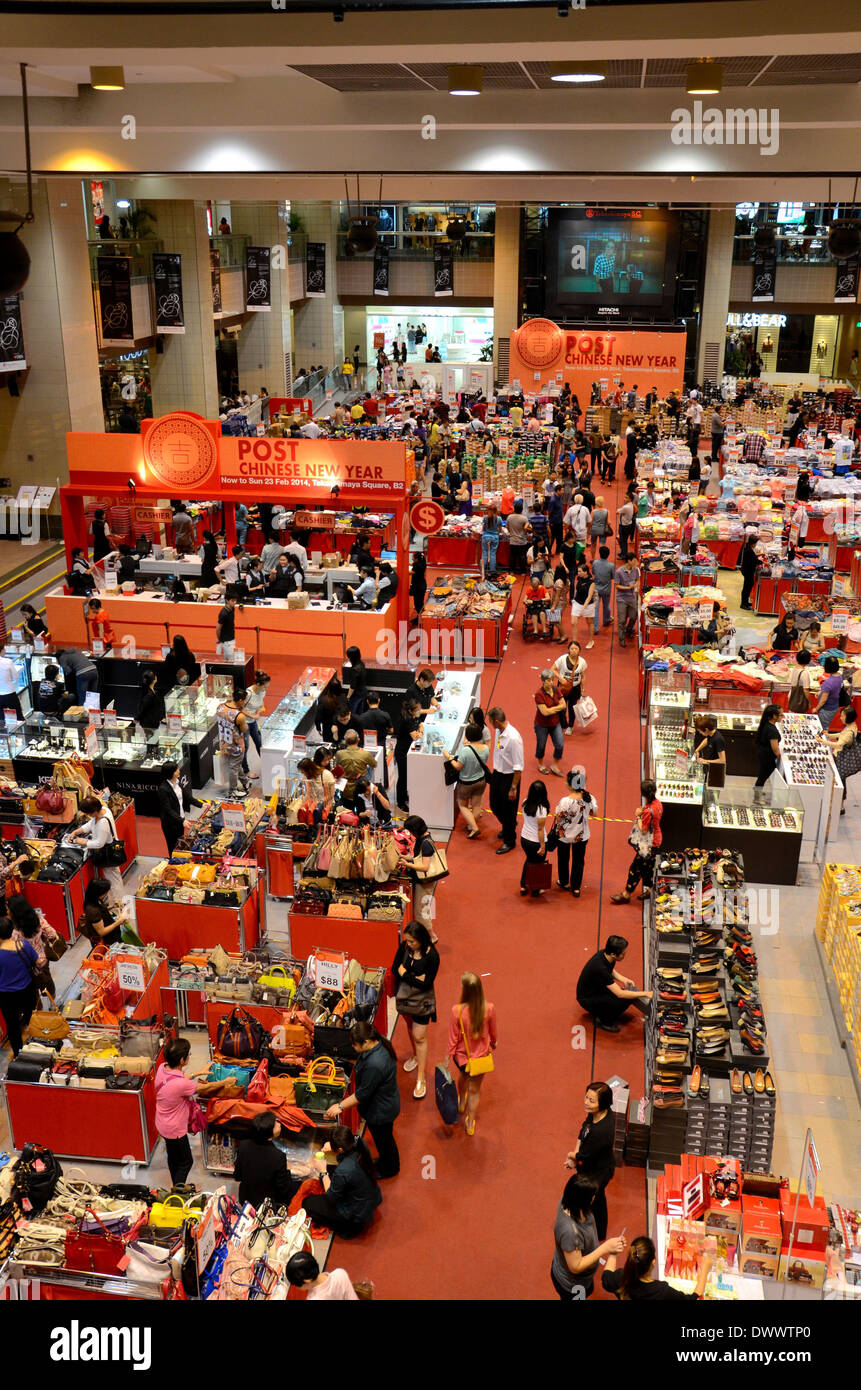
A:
x,y
446,1095
585,712
539,876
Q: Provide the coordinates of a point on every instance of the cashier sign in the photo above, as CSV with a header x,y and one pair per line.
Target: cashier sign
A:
x,y
187,455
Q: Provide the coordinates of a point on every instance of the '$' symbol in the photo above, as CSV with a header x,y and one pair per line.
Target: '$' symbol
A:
x,y
427,515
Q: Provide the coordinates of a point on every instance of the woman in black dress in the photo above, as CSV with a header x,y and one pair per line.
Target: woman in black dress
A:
x,y
150,711
101,541
592,1155
419,583
209,557
748,564
767,743
406,729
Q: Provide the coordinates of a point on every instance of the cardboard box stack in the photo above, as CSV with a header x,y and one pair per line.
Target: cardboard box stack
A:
x,y
838,927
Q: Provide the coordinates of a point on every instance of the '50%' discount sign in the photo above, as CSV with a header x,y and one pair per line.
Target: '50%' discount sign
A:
x,y
427,517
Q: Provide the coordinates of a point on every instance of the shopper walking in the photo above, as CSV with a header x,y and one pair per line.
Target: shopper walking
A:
x,y
506,775
599,525
376,1094
829,692
472,1040
351,1194
414,969
571,823
603,572
254,709
174,803
592,1155
636,1281
646,838
627,594
569,670
549,709
583,603
261,1168
604,992
232,728
491,529
18,996
470,764
173,1091
767,743
97,834
536,808
578,1248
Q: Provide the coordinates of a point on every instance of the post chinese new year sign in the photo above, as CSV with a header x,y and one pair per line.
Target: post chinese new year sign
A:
x,y
644,358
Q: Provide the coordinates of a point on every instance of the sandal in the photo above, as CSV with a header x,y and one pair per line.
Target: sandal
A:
x,y
420,1091
473,834
619,898
469,1126
545,770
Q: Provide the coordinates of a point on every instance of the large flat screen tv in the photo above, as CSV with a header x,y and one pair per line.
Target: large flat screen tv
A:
x,y
616,263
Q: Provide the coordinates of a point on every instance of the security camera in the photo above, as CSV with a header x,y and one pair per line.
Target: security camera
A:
x,y
563,10
338,14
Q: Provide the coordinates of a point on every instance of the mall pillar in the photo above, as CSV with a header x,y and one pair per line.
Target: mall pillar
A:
x,y
183,375
506,285
716,295
319,323
60,389
263,347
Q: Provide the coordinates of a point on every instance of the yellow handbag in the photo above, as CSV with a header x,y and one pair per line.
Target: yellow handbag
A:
x,y
172,1212
475,1066
277,978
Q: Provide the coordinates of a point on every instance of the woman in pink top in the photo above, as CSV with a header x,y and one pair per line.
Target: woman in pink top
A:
x,y
173,1091
471,1034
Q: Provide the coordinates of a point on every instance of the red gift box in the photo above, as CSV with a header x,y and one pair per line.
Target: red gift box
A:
x,y
811,1226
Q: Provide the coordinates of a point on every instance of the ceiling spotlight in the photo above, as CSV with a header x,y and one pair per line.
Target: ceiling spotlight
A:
x,y
338,14
705,78
563,10
123,203
578,72
465,80
107,79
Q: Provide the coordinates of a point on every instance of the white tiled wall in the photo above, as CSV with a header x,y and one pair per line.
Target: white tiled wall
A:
x,y
184,375
263,346
716,290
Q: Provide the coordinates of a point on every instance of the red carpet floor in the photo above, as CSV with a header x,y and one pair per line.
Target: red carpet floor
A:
x,y
472,1218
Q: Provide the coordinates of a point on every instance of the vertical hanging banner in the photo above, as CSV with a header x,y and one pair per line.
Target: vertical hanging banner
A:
x,y
215,273
12,355
764,275
167,276
846,281
258,279
381,269
315,270
443,270
115,300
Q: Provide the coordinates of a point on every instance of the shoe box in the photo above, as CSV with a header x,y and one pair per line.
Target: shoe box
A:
x,y
638,1133
758,1266
802,1269
673,951
621,1096
667,1139
811,1224
761,1226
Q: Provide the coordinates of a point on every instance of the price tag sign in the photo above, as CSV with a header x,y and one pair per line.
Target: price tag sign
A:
x,y
233,816
370,740
174,723
205,1239
96,719
91,741
238,656
109,719
92,699
39,644
130,974
681,763
111,579
705,613
16,635
165,651
299,744
839,619
98,647
329,968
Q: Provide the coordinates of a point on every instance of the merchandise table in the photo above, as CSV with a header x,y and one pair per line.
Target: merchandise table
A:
x,y
284,732
364,938
768,591
464,639
464,552
120,675
725,552
265,629
271,1015
113,1126
178,927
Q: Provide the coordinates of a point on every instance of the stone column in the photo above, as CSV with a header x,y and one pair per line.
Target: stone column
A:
x,y
506,284
184,375
319,323
716,294
263,348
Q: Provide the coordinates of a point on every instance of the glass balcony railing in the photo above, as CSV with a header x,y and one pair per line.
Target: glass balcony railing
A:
x,y
792,250
232,249
418,246
140,251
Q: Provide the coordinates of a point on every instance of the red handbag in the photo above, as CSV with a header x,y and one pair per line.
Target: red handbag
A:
x,y
97,1252
259,1084
539,876
50,798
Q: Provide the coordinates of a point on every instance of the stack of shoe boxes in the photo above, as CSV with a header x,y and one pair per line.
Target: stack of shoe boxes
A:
x,y
621,1098
719,1119
740,1126
639,1131
698,1121
762,1133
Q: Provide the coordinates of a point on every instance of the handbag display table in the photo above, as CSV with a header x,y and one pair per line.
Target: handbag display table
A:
x,y
115,1126
359,937
179,927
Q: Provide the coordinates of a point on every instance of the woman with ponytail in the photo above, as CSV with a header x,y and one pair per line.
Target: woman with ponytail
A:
x,y
351,1195
471,1042
376,1094
636,1281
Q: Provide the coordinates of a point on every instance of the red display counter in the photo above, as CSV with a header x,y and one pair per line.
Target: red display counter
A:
x,y
481,638
464,552
855,574
725,552
815,531
151,1002
840,555
63,903
272,1018
366,940
179,927
768,591
115,1126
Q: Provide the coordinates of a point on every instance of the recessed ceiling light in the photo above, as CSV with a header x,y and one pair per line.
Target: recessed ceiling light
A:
x,y
578,72
705,78
465,80
107,79
123,203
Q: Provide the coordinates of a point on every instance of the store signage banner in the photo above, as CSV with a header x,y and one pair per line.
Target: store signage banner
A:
x,y
114,274
381,269
215,272
764,275
12,355
315,270
443,270
258,279
846,281
585,355
169,309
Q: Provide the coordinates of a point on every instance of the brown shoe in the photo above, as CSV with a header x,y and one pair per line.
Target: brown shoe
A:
x,y
735,1081
759,1081
619,898
696,1078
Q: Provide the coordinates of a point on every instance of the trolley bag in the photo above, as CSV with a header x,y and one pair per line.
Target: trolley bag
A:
x,y
446,1095
539,876
240,1034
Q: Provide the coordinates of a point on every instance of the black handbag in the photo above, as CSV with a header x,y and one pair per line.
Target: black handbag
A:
x,y
551,840
111,855
450,773
37,1173
848,760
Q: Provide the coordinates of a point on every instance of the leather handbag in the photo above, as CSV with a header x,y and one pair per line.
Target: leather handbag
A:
x,y
55,947
412,1000
259,1084
96,1251
281,1089
175,1210
320,1086
51,798
277,977
148,1263
47,1025
239,1034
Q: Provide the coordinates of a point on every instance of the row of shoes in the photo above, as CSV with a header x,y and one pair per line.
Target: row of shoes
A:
x,y
761,1083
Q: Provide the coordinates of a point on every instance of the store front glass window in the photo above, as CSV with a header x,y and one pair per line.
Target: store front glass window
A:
x,y
461,335
126,389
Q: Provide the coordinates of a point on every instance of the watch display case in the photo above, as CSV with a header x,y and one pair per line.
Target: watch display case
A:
x,y
737,715
283,732
670,690
670,758
19,655
766,825
807,765
430,798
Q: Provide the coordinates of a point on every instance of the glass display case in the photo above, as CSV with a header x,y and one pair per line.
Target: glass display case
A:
x,y
670,690
12,744
430,798
284,730
767,826
443,726
19,654
47,739
161,748
125,744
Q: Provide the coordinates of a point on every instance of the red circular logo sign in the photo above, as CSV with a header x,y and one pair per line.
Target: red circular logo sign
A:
x,y
539,342
180,451
427,517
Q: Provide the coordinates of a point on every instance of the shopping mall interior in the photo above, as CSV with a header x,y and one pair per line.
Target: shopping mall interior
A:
x,y
387,391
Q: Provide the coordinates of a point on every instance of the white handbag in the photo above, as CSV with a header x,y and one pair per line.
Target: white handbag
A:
x,y
585,711
148,1264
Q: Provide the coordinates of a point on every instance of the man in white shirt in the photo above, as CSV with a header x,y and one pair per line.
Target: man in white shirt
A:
x,y
8,696
694,417
310,430
366,592
577,517
505,779
292,547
